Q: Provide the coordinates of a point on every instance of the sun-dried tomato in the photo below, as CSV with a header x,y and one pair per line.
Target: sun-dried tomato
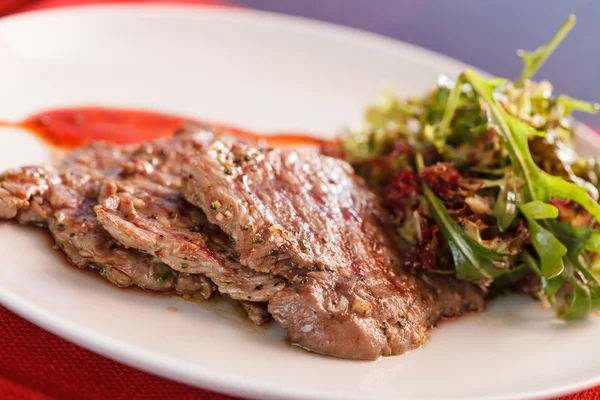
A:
x,y
402,183
442,178
424,251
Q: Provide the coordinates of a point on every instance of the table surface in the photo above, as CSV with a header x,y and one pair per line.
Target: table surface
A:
x,y
485,34
38,365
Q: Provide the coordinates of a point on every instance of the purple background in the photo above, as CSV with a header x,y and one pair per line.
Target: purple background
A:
x,y
483,33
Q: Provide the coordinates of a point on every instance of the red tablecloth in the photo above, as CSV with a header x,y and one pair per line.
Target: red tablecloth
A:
x,y
35,364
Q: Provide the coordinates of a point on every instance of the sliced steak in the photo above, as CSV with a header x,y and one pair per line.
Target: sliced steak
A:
x,y
75,228
182,238
257,312
308,217
144,210
64,202
20,194
365,317
288,212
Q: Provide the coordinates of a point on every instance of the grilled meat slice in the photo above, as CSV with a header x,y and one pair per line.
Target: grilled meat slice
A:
x,y
365,317
257,312
298,230
63,199
75,229
288,212
143,209
309,218
180,236
20,193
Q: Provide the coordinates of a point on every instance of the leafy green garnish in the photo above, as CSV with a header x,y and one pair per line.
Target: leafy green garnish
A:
x,y
450,109
514,134
505,208
576,238
571,104
538,210
585,294
473,262
539,188
165,276
304,246
535,59
549,249
502,144
507,280
554,186
578,303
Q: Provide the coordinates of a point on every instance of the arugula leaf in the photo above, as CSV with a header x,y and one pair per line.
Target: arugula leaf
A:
x,y
514,133
483,128
585,294
451,106
576,238
578,302
593,243
549,287
535,59
573,238
473,262
571,104
539,210
595,298
505,208
553,285
554,186
498,245
516,145
509,279
549,249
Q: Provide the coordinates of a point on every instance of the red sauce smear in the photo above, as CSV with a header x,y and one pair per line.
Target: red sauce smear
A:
x,y
77,126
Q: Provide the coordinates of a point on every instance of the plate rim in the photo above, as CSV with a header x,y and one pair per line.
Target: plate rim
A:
x,y
164,366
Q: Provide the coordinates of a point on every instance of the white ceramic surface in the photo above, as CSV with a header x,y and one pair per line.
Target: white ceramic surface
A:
x,y
263,72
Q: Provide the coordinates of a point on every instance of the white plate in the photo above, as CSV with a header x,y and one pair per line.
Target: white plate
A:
x,y
263,72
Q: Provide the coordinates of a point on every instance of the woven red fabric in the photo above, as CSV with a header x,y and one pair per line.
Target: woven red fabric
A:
x,y
13,6
36,365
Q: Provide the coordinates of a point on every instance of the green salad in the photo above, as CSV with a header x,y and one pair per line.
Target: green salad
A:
x,y
484,183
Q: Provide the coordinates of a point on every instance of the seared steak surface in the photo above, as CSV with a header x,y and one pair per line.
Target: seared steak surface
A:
x,y
118,209
62,198
20,193
143,209
309,218
370,314
296,235
288,213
